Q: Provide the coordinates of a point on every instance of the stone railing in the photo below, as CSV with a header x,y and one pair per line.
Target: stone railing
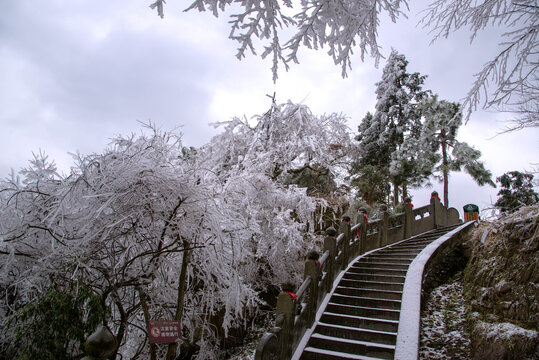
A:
x,y
440,254
295,315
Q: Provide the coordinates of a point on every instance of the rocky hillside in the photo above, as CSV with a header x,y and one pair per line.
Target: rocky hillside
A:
x,y
501,285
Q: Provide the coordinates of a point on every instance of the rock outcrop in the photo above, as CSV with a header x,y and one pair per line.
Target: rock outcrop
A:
x,y
501,283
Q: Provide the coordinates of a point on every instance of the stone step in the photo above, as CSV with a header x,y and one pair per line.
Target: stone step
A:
x,y
369,293
366,276
361,322
419,242
395,259
399,252
310,353
410,245
381,265
366,301
366,284
405,248
351,333
372,312
376,270
380,351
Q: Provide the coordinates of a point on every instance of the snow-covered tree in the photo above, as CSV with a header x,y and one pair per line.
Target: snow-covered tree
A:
x,y
396,118
156,230
410,165
286,138
440,148
123,224
516,191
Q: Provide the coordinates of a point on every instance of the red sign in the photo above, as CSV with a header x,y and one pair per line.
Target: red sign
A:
x,y
164,331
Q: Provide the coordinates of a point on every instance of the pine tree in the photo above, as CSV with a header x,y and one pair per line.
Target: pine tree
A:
x,y
442,120
517,191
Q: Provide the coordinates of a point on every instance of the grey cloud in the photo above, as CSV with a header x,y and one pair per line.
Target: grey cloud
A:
x,y
95,89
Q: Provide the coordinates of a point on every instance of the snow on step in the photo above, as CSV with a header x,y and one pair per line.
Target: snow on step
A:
x,y
343,327
371,289
364,297
363,307
338,354
350,341
361,318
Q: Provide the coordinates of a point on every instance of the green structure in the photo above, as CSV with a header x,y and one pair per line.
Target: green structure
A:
x,y
471,212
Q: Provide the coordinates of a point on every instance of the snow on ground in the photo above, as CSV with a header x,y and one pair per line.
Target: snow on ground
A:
x,y
246,353
443,332
505,331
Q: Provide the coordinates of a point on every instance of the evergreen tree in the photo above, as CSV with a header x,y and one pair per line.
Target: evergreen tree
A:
x,y
439,137
396,118
517,191
372,185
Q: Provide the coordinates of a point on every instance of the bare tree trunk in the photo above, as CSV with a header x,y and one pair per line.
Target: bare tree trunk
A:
x,y
395,194
445,169
145,310
404,190
171,352
123,322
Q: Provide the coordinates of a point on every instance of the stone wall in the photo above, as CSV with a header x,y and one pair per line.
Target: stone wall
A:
x,y
501,283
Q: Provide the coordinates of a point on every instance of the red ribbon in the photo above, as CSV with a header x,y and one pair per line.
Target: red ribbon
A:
x,y
294,296
366,223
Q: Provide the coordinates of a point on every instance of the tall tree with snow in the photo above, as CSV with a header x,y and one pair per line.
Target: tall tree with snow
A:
x,y
396,118
440,147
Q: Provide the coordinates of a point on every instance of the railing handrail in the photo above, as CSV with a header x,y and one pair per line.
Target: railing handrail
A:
x,y
295,316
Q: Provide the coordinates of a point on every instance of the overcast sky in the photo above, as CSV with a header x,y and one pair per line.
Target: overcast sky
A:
x,y
75,73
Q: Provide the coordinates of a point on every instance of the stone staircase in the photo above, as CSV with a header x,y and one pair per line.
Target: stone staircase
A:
x,y
361,319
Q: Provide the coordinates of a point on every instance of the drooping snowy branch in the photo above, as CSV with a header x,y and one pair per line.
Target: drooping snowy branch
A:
x,y
339,25
513,71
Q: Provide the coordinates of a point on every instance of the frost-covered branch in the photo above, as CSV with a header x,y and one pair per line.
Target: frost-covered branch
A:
x,y
513,71
340,24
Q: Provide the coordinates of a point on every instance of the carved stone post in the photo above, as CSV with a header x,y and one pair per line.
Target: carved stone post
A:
x,y
100,345
285,320
312,269
268,347
331,246
362,221
344,228
436,210
384,225
408,217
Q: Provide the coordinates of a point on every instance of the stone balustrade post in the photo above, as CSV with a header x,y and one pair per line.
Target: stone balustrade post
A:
x,y
312,270
284,319
362,231
100,345
436,210
408,217
331,246
383,227
344,228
